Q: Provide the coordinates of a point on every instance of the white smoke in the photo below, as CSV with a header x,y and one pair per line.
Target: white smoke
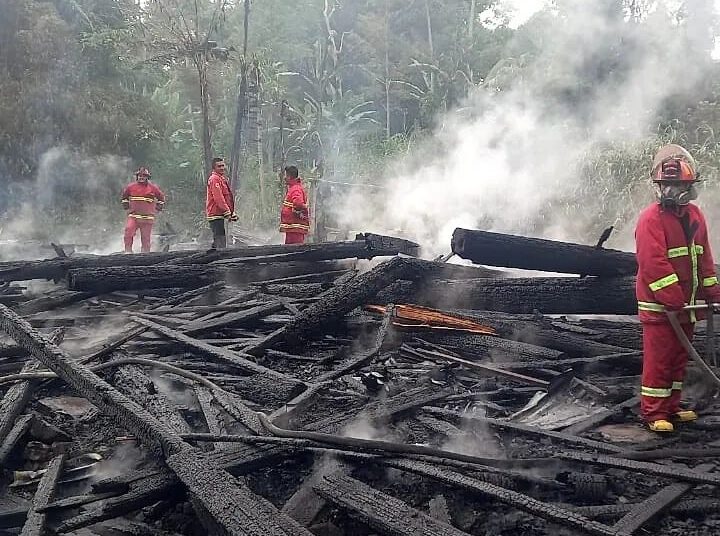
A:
x,y
509,159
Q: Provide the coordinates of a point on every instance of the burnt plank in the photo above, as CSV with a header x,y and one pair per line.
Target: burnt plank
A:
x,y
112,278
336,302
655,504
512,251
204,481
277,386
378,510
518,500
548,295
8,442
35,522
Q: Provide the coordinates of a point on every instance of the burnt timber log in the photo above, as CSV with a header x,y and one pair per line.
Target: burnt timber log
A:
x,y
35,522
548,295
337,301
380,511
112,278
365,246
524,328
267,384
512,251
205,482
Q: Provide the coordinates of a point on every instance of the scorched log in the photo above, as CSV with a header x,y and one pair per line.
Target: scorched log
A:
x,y
511,251
225,504
365,246
338,301
57,268
548,295
110,279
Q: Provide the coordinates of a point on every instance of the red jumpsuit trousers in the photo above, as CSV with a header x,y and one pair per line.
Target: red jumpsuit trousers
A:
x,y
664,362
131,227
294,238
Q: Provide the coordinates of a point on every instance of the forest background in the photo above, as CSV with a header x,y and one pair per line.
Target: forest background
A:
x,y
406,117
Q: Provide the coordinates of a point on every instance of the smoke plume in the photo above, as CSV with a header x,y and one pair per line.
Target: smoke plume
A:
x,y
542,146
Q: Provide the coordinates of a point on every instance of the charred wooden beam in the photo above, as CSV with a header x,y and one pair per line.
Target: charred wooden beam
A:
x,y
16,397
235,319
670,471
524,328
523,502
525,429
113,278
337,301
9,440
511,251
204,481
366,356
269,384
35,522
378,510
220,506
365,246
655,504
488,345
141,493
53,301
133,381
548,295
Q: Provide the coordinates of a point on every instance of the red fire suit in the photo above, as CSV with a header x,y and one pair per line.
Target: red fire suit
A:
x,y
295,214
219,206
142,200
675,268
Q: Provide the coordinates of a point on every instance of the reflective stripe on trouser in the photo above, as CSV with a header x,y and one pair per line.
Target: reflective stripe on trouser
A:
x,y
131,227
664,362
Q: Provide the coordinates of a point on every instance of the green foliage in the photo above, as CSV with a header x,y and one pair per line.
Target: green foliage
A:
x,y
339,88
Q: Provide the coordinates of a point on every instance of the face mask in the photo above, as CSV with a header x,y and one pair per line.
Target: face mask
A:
x,y
674,195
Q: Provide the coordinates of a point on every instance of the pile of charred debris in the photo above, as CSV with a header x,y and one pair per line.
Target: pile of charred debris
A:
x,y
340,388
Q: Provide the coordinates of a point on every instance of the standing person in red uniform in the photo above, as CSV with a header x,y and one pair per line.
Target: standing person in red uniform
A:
x,y
675,268
142,199
295,213
219,204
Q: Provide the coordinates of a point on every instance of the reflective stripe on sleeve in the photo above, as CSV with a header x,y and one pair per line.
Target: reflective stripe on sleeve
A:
x,y
677,386
664,282
650,306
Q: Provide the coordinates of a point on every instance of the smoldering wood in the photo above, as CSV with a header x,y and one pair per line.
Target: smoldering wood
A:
x,y
366,246
336,302
548,295
108,279
512,251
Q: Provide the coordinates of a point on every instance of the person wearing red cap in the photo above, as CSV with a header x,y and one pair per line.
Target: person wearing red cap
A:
x,y
675,269
142,199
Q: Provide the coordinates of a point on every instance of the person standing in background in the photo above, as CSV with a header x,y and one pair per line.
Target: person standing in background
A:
x,y
294,213
219,204
142,199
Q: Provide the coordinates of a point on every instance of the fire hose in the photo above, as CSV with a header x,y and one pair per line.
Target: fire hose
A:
x,y
675,323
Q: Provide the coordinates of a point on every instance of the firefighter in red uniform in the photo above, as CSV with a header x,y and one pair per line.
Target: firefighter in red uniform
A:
x,y
675,268
142,199
294,214
220,203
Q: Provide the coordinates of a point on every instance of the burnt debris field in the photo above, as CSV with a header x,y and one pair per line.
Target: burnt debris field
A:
x,y
340,388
